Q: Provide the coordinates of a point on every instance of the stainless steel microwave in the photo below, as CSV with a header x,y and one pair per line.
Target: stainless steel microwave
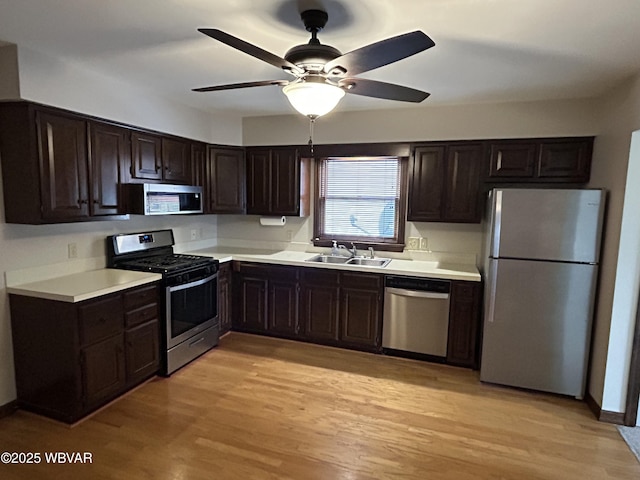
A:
x,y
162,199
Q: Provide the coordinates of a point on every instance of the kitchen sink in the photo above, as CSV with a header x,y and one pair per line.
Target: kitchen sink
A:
x,y
328,259
369,262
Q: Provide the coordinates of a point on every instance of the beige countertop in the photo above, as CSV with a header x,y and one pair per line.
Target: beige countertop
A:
x,y
414,268
81,286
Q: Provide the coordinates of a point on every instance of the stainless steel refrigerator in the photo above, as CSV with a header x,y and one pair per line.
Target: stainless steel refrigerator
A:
x,y
541,262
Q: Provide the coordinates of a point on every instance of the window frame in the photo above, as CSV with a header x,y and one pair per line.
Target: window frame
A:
x,y
395,244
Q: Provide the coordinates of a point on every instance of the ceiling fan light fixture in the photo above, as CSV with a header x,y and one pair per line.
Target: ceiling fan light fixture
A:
x,y
313,99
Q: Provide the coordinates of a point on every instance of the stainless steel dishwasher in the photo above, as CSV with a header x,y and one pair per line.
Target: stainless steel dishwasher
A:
x,y
416,315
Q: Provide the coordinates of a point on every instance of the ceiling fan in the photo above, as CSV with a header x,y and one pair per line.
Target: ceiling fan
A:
x,y
322,74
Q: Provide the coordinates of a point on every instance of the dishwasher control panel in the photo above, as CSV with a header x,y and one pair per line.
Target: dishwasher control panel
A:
x,y
417,283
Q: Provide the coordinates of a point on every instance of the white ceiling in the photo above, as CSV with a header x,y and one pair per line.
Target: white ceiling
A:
x,y
486,50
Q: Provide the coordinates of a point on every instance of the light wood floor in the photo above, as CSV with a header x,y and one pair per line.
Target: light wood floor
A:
x,y
261,408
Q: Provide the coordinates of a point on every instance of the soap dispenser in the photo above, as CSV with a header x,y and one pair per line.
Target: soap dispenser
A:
x,y
334,249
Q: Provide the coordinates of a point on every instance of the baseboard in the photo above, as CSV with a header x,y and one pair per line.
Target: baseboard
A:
x,y
606,416
8,408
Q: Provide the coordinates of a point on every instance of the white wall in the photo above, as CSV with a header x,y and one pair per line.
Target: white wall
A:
x,y
619,114
52,81
458,122
9,79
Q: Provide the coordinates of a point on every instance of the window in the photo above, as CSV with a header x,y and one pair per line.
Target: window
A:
x,y
360,200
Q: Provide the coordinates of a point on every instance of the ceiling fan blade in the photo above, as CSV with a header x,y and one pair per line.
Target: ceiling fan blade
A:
x,y
379,54
388,91
251,49
233,86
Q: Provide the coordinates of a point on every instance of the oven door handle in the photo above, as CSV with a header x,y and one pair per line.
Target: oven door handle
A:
x,y
193,284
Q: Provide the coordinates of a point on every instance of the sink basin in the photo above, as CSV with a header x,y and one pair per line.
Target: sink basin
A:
x,y
328,259
369,262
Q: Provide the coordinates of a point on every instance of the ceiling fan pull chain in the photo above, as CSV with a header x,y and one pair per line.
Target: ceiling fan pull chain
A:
x,y
312,121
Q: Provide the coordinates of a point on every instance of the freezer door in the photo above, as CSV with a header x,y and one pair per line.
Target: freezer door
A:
x,y
547,224
537,325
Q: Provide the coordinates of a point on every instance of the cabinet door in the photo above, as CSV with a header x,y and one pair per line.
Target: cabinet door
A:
x,y
109,153
176,160
224,298
199,167
146,159
226,180
569,160
464,324
361,309
320,305
283,301
426,182
285,182
103,370
251,309
512,160
258,182
63,164
462,189
142,346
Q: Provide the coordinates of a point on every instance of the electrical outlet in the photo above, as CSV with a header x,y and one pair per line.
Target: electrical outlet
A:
x,y
72,250
413,243
194,234
423,244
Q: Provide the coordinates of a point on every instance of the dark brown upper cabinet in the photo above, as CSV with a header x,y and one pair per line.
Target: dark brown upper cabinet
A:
x,y
444,183
62,147
146,156
109,155
58,166
154,157
546,160
176,160
225,180
277,182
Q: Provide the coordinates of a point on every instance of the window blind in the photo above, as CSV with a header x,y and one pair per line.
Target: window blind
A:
x,y
360,197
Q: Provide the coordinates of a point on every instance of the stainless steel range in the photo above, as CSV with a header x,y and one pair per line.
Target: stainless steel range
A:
x,y
189,289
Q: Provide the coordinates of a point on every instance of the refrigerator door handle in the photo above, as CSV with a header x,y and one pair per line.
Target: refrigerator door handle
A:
x,y
496,224
491,289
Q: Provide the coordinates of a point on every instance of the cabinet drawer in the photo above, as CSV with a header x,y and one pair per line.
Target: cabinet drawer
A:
x,y
464,291
319,276
140,296
141,315
100,319
361,280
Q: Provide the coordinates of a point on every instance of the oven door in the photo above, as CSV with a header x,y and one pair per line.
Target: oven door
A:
x,y
191,308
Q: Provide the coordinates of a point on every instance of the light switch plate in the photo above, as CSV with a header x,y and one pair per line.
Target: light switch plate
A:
x,y
423,244
413,243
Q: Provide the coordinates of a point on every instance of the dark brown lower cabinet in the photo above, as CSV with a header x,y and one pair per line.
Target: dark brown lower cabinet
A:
x,y
250,298
361,309
339,308
71,358
283,301
143,351
320,304
224,297
463,347
266,299
103,370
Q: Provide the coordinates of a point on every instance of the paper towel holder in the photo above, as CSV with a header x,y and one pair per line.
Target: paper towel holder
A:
x,y
273,221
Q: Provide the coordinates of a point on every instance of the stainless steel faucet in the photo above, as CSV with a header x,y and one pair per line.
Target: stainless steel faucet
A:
x,y
372,254
354,250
